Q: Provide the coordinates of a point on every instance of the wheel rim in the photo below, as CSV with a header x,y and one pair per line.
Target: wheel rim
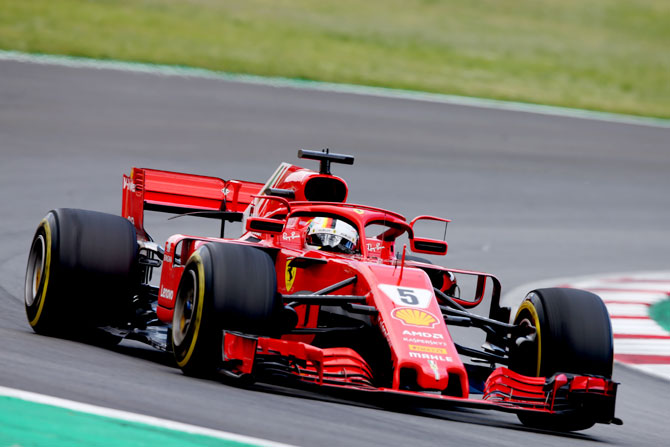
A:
x,y
36,264
184,308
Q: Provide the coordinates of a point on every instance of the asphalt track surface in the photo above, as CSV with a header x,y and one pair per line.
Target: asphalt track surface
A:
x,y
531,197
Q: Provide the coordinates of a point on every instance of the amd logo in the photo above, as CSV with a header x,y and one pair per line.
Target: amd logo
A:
x,y
423,334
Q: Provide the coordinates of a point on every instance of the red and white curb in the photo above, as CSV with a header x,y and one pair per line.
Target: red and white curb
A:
x,y
639,341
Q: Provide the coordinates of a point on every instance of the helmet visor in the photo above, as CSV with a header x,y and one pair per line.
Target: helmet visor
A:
x,y
332,235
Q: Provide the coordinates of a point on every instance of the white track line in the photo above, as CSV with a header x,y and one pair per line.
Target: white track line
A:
x,y
171,70
627,310
626,296
634,326
642,347
134,417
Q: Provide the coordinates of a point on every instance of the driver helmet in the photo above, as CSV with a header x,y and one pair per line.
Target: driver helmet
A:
x,y
330,234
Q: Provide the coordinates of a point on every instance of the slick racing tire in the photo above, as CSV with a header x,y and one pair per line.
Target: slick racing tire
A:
x,y
223,287
80,273
573,335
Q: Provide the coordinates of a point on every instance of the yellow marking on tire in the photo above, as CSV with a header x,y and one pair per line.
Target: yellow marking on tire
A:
x,y
527,305
201,303
47,269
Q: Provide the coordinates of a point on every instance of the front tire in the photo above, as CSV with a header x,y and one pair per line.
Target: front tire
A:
x,y
80,271
573,334
223,287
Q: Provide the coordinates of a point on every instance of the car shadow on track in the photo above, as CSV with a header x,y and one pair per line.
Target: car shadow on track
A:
x,y
477,417
454,414
313,392
144,352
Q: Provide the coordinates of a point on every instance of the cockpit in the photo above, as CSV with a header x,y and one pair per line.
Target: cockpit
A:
x,y
350,231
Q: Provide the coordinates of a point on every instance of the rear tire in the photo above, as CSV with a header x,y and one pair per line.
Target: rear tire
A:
x,y
80,272
223,287
573,335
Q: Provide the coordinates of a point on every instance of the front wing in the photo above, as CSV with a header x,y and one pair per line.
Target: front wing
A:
x,y
346,373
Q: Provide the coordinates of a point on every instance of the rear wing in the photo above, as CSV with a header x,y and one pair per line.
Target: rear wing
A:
x,y
177,193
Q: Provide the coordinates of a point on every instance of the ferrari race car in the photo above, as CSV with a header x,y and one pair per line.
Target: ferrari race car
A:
x,y
319,293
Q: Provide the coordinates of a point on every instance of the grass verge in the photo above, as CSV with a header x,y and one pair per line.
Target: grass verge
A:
x,y
609,55
661,313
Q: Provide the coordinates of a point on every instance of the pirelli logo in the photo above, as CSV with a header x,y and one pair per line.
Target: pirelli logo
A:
x,y
429,349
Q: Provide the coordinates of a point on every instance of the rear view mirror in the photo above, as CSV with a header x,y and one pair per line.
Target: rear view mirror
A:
x,y
265,225
425,245
428,246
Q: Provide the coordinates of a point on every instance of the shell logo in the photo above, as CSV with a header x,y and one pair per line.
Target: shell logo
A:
x,y
414,317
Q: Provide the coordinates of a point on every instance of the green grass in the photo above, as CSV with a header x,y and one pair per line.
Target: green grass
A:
x,y
611,55
661,313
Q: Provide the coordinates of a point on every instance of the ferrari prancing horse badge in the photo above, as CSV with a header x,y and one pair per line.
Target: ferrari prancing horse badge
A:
x,y
289,275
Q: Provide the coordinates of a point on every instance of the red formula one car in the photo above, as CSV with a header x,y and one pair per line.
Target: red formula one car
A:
x,y
317,292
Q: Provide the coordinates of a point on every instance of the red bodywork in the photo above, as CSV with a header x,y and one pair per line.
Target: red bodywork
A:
x,y
401,292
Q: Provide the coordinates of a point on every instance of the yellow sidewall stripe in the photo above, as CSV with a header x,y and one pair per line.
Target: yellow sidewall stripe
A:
x,y
47,270
200,303
527,305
